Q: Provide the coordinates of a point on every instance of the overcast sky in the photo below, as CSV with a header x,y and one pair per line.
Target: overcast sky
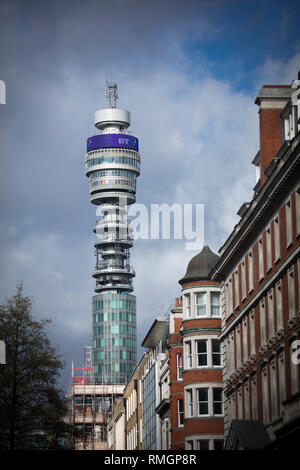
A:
x,y
189,72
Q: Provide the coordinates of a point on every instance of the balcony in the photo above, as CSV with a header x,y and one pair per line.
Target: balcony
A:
x,y
109,285
125,241
103,269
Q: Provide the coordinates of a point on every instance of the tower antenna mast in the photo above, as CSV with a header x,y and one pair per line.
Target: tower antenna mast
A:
x,y
112,94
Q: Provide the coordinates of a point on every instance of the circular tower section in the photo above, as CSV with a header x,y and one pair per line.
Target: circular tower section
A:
x,y
112,165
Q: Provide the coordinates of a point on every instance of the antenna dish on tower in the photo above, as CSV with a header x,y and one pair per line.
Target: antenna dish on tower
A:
x,y
112,94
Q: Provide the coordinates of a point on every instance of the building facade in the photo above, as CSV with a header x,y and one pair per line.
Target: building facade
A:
x,y
156,342
176,378
133,400
259,267
116,428
196,395
163,405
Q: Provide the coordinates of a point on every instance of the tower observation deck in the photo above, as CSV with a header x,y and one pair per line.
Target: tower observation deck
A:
x,y
112,164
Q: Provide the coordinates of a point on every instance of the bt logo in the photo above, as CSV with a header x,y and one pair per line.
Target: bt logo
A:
x,y
123,141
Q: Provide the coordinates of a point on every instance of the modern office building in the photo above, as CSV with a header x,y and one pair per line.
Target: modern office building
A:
x,y
259,270
112,164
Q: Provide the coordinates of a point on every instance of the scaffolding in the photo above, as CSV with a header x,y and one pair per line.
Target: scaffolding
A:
x,y
90,406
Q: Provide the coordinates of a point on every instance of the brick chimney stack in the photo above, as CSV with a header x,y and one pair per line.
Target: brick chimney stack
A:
x,y
271,101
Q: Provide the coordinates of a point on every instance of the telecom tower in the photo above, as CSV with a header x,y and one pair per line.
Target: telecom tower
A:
x,y
112,165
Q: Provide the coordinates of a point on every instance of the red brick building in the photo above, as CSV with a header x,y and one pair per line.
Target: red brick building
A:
x,y
196,396
176,382
259,267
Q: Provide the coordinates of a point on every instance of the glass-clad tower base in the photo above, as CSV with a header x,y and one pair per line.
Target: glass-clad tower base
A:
x,y
114,336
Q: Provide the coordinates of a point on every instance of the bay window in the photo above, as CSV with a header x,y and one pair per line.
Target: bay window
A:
x,y
201,352
201,304
179,366
216,352
215,304
218,401
202,396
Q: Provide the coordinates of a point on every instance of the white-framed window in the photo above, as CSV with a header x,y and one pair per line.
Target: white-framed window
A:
x,y
236,289
216,352
215,304
260,258
229,358
288,223
238,346
265,391
180,412
262,322
201,346
245,340
282,379
271,321
202,303
200,300
250,271
188,305
247,399
269,248
228,294
291,292
217,401
179,366
276,238
189,445
252,331
190,411
209,400
203,352
218,444
202,444
279,312
140,391
189,356
202,402
273,385
141,430
289,125
254,409
243,279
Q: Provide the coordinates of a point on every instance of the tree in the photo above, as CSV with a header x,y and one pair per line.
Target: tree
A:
x,y
32,408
